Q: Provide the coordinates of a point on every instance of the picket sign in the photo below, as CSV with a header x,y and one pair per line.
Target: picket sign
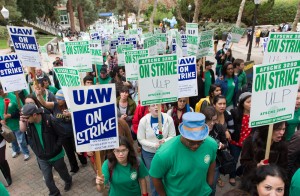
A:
x,y
269,141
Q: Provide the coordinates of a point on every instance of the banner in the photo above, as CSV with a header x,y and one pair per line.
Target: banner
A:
x,y
11,73
192,38
187,81
113,46
25,45
184,44
178,44
150,44
205,44
158,79
131,62
96,52
236,34
274,92
121,53
94,117
161,42
44,54
78,55
67,76
282,47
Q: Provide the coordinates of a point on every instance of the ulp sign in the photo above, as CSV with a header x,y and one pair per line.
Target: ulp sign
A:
x,y
274,92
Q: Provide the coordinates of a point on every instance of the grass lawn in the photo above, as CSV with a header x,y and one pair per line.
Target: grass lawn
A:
x,y
44,40
3,44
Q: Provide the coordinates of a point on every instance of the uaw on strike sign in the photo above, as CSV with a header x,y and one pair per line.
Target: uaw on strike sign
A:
x,y
94,117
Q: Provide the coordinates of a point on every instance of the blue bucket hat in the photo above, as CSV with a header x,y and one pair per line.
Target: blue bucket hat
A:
x,y
193,126
60,95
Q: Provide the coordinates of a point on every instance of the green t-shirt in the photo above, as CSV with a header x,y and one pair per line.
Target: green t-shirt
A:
x,y
38,127
242,78
292,125
52,89
124,180
3,190
230,91
182,170
12,123
207,83
295,184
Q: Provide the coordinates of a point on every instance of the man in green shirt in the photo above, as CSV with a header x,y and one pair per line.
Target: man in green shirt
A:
x,y
185,164
238,66
10,117
46,136
209,77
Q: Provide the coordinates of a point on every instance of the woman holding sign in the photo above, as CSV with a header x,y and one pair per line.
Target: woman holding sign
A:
x,y
124,171
61,113
150,137
254,147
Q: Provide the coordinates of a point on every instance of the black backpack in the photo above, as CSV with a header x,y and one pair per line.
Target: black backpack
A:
x,y
226,160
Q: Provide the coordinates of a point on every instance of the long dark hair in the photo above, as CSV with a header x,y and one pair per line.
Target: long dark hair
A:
x,y
209,112
240,109
131,157
212,88
36,101
217,98
224,68
250,182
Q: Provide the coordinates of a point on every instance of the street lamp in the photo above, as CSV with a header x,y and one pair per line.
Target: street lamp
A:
x,y
190,8
5,13
257,2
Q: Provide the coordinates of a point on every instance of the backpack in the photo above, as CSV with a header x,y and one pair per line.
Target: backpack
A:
x,y
199,104
226,160
111,170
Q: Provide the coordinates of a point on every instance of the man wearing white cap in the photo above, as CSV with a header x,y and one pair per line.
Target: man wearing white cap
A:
x,y
185,164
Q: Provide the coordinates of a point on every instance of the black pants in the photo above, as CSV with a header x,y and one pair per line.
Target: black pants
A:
x,y
69,146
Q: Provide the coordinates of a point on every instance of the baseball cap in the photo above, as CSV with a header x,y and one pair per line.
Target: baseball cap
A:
x,y
31,108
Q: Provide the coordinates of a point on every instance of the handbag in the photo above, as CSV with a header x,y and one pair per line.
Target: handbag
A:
x,y
226,160
7,134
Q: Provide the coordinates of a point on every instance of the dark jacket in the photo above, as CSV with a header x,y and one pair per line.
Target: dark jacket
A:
x,y
254,149
52,135
294,154
129,112
218,133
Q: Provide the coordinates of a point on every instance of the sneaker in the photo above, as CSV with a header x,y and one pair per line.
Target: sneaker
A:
x,y
68,186
15,154
26,157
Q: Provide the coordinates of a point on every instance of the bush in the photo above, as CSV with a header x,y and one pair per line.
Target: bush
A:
x,y
3,32
221,28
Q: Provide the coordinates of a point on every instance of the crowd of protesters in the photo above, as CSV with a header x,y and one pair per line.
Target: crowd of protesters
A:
x,y
184,155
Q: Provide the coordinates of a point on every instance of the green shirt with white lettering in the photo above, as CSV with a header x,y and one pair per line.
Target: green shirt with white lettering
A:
x,y
183,171
38,127
124,179
230,91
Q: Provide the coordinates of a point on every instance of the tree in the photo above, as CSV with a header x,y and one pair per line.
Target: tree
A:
x,y
71,14
152,15
198,4
80,17
296,20
139,13
239,18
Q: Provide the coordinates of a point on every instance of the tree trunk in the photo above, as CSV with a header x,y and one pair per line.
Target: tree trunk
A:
x,y
152,15
296,20
239,19
139,13
126,18
198,4
71,14
179,16
80,18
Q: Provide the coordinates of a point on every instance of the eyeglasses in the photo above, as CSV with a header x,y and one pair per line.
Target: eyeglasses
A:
x,y
182,101
191,143
123,151
153,105
229,68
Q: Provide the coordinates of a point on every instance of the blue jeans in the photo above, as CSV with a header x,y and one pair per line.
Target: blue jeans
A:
x,y
147,157
60,167
20,140
235,151
216,177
